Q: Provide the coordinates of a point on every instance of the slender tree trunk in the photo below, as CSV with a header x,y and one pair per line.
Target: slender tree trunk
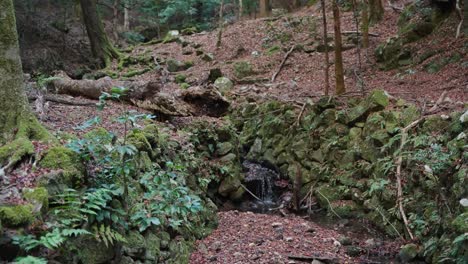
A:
x,y
465,19
241,9
365,24
339,76
115,19
220,32
126,18
101,46
325,41
376,11
17,122
264,8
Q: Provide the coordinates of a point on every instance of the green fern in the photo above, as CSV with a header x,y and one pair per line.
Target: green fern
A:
x,y
106,235
30,260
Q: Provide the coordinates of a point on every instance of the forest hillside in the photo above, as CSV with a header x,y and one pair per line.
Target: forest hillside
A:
x,y
233,131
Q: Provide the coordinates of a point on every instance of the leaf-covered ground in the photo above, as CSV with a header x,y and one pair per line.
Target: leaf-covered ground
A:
x,y
245,237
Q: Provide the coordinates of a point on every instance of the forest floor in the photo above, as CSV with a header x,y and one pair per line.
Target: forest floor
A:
x,y
245,237
302,76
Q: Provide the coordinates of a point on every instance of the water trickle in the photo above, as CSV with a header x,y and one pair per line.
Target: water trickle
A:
x,y
261,179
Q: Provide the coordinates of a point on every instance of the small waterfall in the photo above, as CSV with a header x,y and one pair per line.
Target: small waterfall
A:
x,y
262,179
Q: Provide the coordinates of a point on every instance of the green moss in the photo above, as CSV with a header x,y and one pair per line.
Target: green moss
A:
x,y
153,244
38,196
346,208
180,78
16,150
184,86
64,159
242,69
89,250
326,194
18,215
136,72
139,140
460,224
136,244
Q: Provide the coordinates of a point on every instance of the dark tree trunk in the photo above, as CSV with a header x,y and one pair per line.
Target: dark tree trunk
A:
x,y
465,19
101,46
17,122
325,42
339,76
376,11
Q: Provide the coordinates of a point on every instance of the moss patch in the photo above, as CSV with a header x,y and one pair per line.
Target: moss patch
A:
x,y
18,215
61,158
39,196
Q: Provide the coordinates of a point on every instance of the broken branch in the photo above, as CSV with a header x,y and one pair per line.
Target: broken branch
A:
x,y
286,56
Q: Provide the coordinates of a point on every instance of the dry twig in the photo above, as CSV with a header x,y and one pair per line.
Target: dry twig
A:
x,y
286,56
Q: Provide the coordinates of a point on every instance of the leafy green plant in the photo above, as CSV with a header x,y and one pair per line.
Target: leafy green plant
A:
x,y
166,201
30,260
104,233
51,240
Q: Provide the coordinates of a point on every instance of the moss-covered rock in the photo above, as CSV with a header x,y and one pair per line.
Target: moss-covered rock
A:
x,y
180,251
346,208
16,150
39,197
153,245
393,54
135,245
89,250
18,215
67,161
408,252
180,78
223,84
242,69
460,223
327,194
229,185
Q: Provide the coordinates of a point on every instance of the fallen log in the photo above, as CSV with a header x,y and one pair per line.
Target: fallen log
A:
x,y
149,95
56,99
93,89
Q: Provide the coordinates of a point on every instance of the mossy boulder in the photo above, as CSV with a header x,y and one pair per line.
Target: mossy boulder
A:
x,y
224,148
153,247
460,223
408,252
16,150
180,78
229,185
17,215
376,101
223,84
39,197
327,194
418,20
346,208
67,162
135,245
242,69
89,250
180,251
393,54
175,65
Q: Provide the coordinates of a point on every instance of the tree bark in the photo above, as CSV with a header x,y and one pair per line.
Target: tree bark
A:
x,y
101,46
325,41
241,9
465,19
339,75
376,11
264,5
365,24
17,123
126,18
220,32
